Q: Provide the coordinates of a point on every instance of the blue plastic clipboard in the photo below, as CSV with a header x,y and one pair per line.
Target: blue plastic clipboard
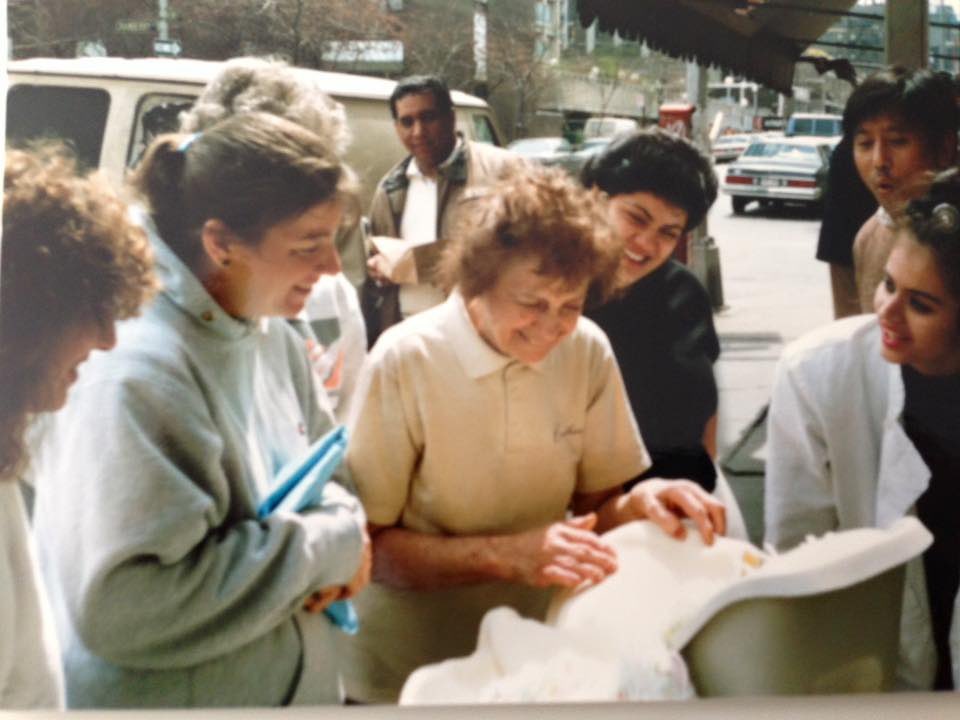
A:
x,y
298,485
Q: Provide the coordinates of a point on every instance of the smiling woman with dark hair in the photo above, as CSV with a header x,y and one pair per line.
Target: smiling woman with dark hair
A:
x,y
660,321
72,265
864,427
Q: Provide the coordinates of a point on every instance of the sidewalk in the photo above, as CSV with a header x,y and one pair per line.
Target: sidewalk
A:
x,y
774,291
745,376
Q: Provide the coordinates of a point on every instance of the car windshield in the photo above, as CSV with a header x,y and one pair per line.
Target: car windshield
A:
x,y
532,146
784,151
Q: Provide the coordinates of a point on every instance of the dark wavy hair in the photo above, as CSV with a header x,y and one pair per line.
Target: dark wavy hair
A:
x,y
70,256
657,162
934,221
416,84
923,99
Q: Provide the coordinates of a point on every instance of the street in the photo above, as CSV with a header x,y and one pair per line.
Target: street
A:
x,y
774,291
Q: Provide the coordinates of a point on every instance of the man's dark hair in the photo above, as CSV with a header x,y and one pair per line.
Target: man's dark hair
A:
x,y
416,84
657,162
924,100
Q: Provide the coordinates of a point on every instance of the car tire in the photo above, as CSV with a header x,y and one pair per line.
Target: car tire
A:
x,y
739,204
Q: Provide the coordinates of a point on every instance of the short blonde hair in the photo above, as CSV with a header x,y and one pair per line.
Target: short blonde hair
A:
x,y
533,212
269,85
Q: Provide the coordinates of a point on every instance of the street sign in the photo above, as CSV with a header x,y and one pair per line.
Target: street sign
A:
x,y
134,26
168,48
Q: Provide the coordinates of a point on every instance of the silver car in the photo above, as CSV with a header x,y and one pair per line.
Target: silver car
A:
x,y
545,150
779,170
729,147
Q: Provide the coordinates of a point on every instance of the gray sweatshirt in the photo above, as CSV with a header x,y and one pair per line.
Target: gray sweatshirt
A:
x,y
166,588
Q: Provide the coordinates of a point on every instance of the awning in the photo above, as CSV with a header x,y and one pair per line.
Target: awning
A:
x,y
758,39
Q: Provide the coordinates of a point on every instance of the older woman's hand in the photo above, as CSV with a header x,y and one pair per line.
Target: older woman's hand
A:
x,y
566,553
667,502
362,577
322,599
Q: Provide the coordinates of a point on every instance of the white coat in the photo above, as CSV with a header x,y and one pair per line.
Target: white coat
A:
x,y
30,674
839,458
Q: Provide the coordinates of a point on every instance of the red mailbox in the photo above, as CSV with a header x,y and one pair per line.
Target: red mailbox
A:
x,y
678,118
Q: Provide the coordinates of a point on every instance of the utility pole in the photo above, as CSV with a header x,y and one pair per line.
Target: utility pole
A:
x,y
163,21
164,45
703,255
480,47
907,30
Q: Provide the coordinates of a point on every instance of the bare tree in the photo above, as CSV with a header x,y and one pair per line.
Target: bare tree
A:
x,y
56,27
299,30
437,39
517,65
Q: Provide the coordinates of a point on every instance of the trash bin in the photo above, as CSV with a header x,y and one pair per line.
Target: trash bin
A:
x,y
678,118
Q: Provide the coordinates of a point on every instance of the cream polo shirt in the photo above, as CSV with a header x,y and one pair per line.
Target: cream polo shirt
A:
x,y
449,436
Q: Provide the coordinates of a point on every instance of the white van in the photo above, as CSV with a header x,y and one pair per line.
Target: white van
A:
x,y
814,125
110,108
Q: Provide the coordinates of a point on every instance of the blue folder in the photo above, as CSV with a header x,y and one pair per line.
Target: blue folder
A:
x,y
299,485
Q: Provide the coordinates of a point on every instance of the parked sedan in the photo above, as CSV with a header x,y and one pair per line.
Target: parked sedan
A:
x,y
578,158
729,147
545,150
779,170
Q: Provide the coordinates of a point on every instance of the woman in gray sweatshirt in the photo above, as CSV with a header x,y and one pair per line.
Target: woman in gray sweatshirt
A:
x,y
168,589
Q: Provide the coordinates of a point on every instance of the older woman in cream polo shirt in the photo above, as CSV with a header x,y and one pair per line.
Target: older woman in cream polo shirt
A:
x,y
492,436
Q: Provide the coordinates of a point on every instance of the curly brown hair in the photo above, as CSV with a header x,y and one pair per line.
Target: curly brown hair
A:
x,y
70,255
537,212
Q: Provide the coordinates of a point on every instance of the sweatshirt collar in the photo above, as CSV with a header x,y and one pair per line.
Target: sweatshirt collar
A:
x,y
185,290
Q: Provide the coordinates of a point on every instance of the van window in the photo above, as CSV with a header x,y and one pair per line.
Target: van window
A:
x,y
802,126
483,130
156,114
827,127
77,116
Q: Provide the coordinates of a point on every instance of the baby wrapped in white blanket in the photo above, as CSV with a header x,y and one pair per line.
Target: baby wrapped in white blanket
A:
x,y
620,640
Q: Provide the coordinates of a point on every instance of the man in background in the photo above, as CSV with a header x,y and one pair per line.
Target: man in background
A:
x,y
904,127
416,200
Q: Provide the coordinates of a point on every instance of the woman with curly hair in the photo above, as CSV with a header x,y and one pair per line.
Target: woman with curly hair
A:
x,y
72,265
481,423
